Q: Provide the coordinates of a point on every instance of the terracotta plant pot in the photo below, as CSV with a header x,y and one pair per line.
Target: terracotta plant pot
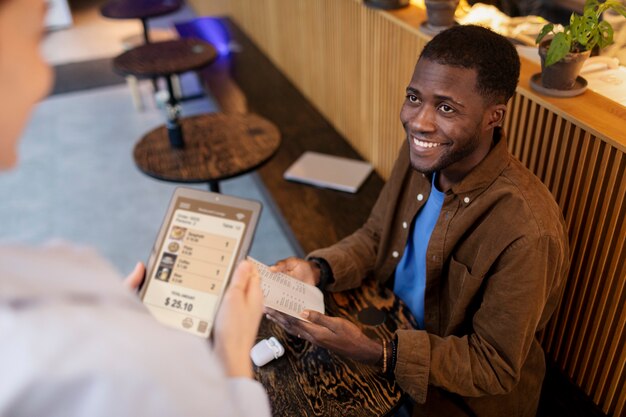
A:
x,y
562,74
441,12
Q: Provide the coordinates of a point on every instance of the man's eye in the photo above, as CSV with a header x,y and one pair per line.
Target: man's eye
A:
x,y
412,98
446,109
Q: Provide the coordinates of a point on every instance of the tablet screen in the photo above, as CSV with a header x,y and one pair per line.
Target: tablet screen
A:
x,y
200,245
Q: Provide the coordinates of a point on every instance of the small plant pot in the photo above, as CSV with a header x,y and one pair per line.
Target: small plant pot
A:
x,y
562,74
386,4
441,12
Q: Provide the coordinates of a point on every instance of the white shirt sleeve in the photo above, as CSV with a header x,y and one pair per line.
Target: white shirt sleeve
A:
x,y
256,402
79,344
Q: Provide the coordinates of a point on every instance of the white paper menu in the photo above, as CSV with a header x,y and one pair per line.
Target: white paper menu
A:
x,y
286,294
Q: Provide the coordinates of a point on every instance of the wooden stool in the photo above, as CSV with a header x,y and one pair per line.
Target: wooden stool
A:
x,y
143,10
217,146
130,42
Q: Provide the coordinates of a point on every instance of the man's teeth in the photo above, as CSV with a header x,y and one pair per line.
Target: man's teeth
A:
x,y
425,144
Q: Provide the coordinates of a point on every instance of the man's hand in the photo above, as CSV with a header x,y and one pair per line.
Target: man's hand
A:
x,y
238,321
133,280
303,270
333,333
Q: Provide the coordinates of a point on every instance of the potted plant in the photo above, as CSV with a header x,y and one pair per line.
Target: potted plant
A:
x,y
440,13
563,55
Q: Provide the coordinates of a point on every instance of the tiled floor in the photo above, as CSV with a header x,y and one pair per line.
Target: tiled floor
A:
x,y
91,37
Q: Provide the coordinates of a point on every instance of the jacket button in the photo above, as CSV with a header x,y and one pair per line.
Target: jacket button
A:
x,y
466,200
420,197
395,254
405,225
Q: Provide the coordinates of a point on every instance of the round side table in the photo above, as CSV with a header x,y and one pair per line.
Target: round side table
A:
x,y
165,59
217,147
162,59
140,9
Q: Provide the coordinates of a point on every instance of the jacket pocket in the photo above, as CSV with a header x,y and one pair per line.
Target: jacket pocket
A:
x,y
463,292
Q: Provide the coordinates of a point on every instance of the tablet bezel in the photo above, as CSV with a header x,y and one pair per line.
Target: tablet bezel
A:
x,y
253,206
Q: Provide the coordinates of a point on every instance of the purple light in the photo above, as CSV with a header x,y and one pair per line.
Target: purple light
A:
x,y
209,29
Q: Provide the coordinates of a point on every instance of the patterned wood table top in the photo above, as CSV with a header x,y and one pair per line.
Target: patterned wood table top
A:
x,y
311,381
217,146
165,58
139,9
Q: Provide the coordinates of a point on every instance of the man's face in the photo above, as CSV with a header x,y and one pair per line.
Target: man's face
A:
x,y
446,120
24,76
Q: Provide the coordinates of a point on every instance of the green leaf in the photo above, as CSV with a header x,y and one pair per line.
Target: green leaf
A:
x,y
581,29
589,14
592,6
544,31
605,34
559,47
593,41
584,31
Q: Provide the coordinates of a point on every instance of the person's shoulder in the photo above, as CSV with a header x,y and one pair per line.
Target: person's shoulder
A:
x,y
530,199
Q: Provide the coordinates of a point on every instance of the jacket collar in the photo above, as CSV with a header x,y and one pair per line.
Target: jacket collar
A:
x,y
488,169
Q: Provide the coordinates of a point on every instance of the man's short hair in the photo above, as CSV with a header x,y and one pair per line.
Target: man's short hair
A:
x,y
473,47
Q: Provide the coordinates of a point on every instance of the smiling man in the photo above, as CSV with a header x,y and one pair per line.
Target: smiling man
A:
x,y
469,238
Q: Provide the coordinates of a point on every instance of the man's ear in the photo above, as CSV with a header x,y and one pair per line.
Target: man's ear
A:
x,y
495,116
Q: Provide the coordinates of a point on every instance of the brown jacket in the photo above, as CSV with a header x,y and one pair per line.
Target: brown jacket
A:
x,y
496,263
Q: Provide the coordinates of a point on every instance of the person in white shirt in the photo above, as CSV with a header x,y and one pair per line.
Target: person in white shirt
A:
x,y
74,341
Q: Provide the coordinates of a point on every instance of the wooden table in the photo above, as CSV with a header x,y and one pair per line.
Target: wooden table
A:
x,y
140,9
162,59
217,147
311,381
166,59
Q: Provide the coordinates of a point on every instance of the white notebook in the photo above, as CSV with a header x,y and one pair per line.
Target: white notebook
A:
x,y
329,171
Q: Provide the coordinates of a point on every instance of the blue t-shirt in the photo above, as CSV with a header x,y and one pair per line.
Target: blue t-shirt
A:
x,y
410,275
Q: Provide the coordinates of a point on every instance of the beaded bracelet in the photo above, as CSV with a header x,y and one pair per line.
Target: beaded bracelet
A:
x,y
384,356
393,357
326,274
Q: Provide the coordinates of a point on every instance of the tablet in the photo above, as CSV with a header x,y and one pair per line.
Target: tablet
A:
x,y
203,237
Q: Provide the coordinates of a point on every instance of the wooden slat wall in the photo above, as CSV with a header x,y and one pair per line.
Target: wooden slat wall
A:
x,y
587,335
353,64
333,51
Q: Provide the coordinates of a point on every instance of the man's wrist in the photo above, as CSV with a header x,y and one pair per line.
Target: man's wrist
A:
x,y
325,273
387,360
374,352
